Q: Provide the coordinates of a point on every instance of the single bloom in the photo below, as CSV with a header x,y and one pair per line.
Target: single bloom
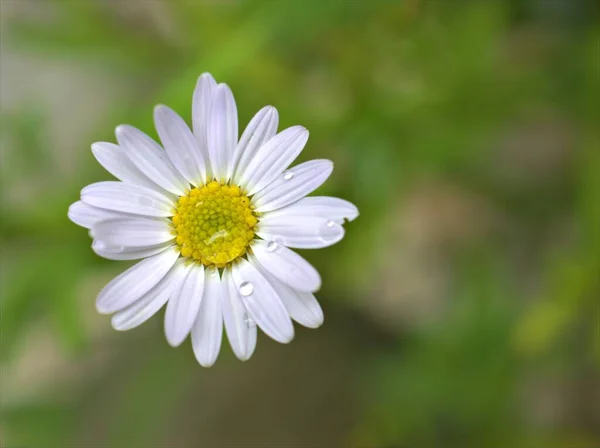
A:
x,y
212,218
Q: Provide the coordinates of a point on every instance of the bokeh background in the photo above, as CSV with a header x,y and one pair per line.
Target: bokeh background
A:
x,y
461,308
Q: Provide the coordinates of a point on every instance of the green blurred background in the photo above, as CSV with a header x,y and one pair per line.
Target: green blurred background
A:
x,y
461,308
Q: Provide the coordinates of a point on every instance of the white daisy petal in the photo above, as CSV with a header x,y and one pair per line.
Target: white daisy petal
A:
x,y
207,331
112,157
144,308
183,307
133,232
150,159
222,132
335,209
201,104
261,302
287,266
127,253
136,281
180,144
272,158
127,198
241,330
300,232
261,129
85,215
294,184
303,307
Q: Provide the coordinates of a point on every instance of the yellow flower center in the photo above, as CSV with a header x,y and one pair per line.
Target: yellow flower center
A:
x,y
214,224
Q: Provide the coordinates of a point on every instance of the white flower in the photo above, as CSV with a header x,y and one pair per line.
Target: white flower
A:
x,y
213,219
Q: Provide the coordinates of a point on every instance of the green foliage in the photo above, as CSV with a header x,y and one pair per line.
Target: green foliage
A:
x,y
468,95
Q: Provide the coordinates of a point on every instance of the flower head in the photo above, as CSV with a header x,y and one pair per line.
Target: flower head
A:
x,y
212,218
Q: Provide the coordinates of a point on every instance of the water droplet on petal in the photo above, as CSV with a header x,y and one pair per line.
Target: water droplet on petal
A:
x,y
272,246
329,232
288,175
246,288
250,323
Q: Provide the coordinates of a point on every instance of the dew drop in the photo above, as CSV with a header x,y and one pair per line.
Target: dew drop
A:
x,y
246,288
249,321
288,175
328,233
272,246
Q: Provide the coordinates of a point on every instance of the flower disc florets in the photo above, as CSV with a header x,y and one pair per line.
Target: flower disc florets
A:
x,y
214,224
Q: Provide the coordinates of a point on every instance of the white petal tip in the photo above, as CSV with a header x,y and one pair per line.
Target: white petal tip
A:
x,y
353,217
351,214
103,309
207,362
72,216
118,326
121,130
316,286
207,76
223,89
244,356
174,340
270,112
287,339
160,108
309,288
315,324
298,131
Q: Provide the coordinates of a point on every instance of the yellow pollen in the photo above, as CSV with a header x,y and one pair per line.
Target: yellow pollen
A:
x,y
214,224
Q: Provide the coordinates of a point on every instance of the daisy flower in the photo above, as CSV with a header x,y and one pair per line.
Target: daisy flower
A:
x,y
212,219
